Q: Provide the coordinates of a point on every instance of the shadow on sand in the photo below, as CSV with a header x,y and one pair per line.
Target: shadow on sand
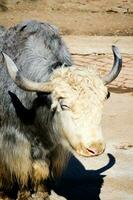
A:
x,y
77,183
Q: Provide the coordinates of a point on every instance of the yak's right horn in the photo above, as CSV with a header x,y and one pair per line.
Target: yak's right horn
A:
x,y
23,82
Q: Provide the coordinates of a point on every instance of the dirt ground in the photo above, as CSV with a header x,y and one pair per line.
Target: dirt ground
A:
x,y
73,17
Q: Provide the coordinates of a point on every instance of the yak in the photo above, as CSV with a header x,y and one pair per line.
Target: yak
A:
x,y
48,106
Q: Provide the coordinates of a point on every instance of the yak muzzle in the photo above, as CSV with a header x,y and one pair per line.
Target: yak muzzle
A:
x,y
94,149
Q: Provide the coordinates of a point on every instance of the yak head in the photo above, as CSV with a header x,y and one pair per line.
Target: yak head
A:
x,y
75,98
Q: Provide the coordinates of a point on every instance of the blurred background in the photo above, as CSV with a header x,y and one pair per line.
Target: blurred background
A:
x,y
73,17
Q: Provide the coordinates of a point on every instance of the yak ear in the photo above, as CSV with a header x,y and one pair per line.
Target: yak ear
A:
x,y
44,99
27,116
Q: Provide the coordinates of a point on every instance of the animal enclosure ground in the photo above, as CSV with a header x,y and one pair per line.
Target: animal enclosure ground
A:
x,y
74,17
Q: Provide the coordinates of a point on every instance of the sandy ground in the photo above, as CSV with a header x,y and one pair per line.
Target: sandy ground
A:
x,y
74,17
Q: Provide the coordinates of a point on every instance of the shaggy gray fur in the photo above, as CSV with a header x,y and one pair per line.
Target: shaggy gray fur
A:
x,y
36,48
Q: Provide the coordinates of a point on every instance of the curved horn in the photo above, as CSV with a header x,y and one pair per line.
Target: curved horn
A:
x,y
117,66
23,82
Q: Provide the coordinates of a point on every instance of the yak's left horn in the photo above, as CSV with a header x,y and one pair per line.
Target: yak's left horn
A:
x,y
117,66
23,82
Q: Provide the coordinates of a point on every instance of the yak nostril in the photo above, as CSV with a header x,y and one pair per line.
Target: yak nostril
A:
x,y
91,151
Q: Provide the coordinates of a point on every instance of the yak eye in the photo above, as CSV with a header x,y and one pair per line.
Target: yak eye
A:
x,y
63,104
64,107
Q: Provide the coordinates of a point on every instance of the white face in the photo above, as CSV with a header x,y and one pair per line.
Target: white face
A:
x,y
77,119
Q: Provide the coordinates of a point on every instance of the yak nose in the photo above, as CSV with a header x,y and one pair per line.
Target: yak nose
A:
x,y
94,149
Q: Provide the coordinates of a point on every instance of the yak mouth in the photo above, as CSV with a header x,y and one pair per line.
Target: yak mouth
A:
x,y
89,151
92,150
